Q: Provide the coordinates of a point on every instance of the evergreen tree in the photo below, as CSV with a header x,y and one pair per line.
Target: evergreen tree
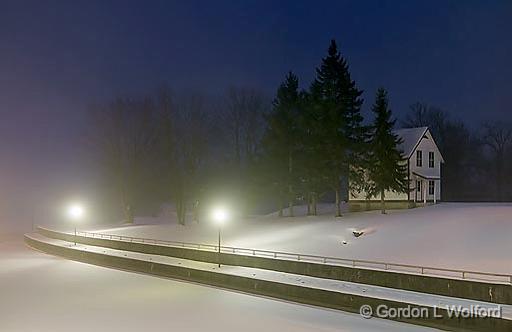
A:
x,y
337,121
312,179
387,170
280,142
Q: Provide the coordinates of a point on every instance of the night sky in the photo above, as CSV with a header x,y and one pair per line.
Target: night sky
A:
x,y
56,57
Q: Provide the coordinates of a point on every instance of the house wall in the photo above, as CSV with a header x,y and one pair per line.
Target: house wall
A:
x,y
425,145
388,195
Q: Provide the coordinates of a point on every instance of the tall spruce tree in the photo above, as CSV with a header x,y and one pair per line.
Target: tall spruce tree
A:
x,y
387,170
281,141
337,121
312,179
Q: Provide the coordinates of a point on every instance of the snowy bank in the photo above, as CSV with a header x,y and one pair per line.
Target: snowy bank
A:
x,y
466,236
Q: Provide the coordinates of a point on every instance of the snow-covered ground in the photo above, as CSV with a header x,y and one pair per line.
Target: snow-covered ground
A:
x,y
345,287
44,293
470,236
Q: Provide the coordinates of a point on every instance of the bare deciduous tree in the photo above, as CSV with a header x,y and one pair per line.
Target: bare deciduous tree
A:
x,y
423,115
498,137
191,152
124,133
244,109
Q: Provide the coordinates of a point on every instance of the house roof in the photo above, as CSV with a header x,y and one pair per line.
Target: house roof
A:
x,y
427,177
411,138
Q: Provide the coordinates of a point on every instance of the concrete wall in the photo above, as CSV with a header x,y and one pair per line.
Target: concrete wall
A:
x,y
481,291
305,295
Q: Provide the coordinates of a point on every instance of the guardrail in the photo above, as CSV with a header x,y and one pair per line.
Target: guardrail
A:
x,y
356,263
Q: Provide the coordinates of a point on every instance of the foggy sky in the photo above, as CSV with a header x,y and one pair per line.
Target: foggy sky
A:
x,y
56,57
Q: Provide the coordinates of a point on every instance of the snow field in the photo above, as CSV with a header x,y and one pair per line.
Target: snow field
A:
x,y
45,293
465,236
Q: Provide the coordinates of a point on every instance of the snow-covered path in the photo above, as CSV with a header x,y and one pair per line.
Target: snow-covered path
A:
x,y
299,280
44,293
466,236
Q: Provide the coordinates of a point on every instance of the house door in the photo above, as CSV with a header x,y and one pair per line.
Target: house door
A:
x,y
419,190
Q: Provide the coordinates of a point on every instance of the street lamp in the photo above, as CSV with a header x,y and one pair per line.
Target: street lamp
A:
x,y
219,215
75,213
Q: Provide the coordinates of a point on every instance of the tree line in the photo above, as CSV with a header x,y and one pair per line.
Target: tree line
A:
x,y
478,160
316,141
301,146
179,148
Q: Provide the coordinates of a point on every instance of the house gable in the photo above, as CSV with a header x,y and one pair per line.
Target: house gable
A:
x,y
412,138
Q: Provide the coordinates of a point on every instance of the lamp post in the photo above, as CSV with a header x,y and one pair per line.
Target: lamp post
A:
x,y
75,213
220,216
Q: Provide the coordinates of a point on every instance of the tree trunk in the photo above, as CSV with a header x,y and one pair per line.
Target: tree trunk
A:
x,y
280,214
313,202
291,196
127,209
338,203
196,211
308,198
499,176
184,214
382,203
180,210
128,214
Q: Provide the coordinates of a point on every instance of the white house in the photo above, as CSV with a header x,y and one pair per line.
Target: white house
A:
x,y
424,174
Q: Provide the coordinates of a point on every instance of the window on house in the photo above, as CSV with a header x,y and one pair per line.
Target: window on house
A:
x,y
419,158
418,186
431,159
431,187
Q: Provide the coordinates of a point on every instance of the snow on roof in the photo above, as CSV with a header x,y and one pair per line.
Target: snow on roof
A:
x,y
410,137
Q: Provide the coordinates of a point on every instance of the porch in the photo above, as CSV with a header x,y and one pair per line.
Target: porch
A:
x,y
426,189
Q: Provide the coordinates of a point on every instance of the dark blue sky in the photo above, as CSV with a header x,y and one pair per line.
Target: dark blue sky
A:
x,y
58,56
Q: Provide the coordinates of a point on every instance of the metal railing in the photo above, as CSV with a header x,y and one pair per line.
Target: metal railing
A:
x,y
355,263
